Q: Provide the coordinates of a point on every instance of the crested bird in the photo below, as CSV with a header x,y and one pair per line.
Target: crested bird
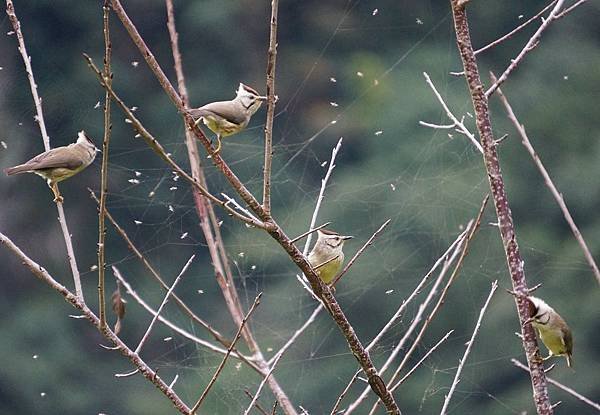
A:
x,y
60,163
327,256
226,118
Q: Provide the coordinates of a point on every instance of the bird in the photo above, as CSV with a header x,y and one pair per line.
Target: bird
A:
x,y
327,256
60,163
552,329
226,118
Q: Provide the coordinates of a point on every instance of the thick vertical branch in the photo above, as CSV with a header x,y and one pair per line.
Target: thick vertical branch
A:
x,y
10,10
505,221
272,56
104,169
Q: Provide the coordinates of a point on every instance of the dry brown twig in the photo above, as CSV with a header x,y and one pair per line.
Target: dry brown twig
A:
x,y
559,385
271,60
37,100
560,200
79,304
162,305
458,124
229,350
468,349
529,46
104,168
505,221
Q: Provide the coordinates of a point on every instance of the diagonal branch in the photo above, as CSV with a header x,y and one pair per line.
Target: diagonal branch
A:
x,y
104,169
10,10
559,385
222,364
162,305
468,349
530,45
505,222
272,56
560,200
79,304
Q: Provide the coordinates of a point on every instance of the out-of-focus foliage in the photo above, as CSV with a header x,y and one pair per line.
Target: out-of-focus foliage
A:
x,y
367,58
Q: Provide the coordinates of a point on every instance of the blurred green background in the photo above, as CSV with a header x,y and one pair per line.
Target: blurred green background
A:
x,y
361,64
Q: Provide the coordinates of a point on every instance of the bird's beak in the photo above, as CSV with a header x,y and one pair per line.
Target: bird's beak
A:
x,y
347,237
262,98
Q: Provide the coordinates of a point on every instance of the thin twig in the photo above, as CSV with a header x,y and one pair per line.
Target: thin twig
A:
x,y
271,60
222,364
360,251
468,349
560,200
530,45
420,362
256,405
559,385
458,124
308,232
505,222
338,402
78,303
104,169
515,30
10,11
162,305
324,180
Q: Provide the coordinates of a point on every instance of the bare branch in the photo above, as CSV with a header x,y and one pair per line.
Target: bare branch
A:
x,y
308,232
425,356
468,349
531,44
560,200
505,221
458,124
79,304
37,100
272,56
222,364
559,385
162,305
515,30
104,168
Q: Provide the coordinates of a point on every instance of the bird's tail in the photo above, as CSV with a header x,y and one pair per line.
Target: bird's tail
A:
x,y
21,168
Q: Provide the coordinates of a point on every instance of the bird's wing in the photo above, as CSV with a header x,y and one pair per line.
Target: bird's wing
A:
x,y
53,158
223,109
567,339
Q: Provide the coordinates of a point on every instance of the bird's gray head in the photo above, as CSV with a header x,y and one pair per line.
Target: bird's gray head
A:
x,y
331,240
249,98
86,141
